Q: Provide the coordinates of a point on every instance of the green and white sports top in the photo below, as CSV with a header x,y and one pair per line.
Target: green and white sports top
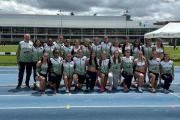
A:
x,y
104,68
116,48
106,47
37,53
93,65
80,65
25,51
67,50
127,64
128,47
115,68
56,65
135,51
154,65
49,51
167,67
147,51
42,70
75,51
97,49
159,50
86,51
59,46
68,69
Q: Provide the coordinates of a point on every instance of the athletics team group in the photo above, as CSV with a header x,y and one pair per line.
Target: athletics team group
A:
x,y
54,61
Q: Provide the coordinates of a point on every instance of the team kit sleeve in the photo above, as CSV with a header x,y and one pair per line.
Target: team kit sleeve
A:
x,y
38,70
19,47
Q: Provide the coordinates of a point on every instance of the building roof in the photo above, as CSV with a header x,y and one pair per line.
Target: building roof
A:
x,y
68,21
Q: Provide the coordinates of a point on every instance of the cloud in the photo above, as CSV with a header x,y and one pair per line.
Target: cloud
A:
x,y
147,11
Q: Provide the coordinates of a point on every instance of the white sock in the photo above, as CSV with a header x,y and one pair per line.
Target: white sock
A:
x,y
139,88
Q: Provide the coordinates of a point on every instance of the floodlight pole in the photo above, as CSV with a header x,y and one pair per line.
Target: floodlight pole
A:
x,y
126,20
60,13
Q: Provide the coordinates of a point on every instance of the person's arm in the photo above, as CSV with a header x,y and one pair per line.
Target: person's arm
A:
x,y
18,53
154,48
146,62
142,50
87,60
160,68
163,50
109,65
131,45
173,72
134,63
81,46
122,67
49,65
38,68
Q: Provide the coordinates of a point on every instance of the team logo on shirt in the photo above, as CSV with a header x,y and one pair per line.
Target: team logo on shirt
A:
x,y
99,47
71,63
82,59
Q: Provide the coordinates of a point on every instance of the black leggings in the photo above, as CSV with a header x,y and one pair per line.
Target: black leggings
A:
x,y
55,79
22,66
128,78
167,80
92,76
34,70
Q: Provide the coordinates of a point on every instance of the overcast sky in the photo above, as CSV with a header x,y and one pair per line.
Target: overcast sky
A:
x,y
147,11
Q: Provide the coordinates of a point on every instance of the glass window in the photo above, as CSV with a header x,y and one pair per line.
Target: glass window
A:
x,y
134,31
110,31
65,31
29,30
99,31
6,30
121,31
41,31
75,31
52,30
87,31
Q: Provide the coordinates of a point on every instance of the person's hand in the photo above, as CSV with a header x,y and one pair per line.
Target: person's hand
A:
x,y
44,44
172,78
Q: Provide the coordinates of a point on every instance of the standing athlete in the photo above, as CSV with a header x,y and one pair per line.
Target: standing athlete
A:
x,y
24,59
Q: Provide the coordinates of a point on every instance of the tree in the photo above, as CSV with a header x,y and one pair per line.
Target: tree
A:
x,y
71,13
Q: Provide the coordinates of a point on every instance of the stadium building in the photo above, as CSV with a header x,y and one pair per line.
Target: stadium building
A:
x,y
14,26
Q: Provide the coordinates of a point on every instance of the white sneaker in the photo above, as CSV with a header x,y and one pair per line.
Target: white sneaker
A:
x,y
139,88
153,90
110,88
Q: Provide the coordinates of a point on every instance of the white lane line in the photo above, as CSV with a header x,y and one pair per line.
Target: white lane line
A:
x,y
142,106
9,70
86,94
174,94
